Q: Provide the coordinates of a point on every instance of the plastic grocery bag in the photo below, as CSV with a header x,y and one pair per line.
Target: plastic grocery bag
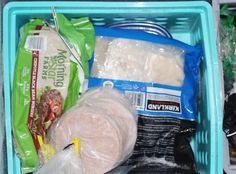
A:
x,y
48,80
160,76
106,124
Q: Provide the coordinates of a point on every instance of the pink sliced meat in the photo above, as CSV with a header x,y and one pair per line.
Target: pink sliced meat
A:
x,y
106,124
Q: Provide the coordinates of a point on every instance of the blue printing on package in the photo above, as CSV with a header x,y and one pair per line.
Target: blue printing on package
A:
x,y
189,88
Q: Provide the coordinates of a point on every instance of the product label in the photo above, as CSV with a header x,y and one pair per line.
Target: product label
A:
x,y
36,43
163,102
49,82
148,98
160,114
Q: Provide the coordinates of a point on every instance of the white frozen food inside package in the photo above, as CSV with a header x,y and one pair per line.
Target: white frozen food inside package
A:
x,y
135,60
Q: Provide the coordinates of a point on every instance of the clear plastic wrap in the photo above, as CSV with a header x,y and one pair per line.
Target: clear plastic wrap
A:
x,y
138,61
106,124
64,162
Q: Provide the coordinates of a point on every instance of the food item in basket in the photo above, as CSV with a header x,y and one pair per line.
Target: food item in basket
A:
x,y
160,76
48,80
130,60
105,123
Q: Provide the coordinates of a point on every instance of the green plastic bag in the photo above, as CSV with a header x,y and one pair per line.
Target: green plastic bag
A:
x,y
48,79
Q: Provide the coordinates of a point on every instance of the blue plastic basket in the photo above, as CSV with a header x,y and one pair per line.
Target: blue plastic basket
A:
x,y
191,22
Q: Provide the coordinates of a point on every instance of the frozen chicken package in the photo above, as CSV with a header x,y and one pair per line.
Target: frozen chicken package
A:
x,y
105,122
160,76
48,80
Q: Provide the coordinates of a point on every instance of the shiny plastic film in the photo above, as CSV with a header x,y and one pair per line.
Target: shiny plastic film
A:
x,y
65,161
106,124
125,59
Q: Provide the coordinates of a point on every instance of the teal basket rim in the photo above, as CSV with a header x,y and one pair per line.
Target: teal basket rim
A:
x,y
14,8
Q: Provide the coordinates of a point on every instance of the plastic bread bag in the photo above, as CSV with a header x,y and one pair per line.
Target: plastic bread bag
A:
x,y
106,124
48,80
160,76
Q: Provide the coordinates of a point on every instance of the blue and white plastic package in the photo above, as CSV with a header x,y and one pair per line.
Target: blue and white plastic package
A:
x,y
160,76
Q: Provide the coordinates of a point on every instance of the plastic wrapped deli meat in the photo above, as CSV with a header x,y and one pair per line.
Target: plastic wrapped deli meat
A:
x,y
106,124
48,80
160,76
